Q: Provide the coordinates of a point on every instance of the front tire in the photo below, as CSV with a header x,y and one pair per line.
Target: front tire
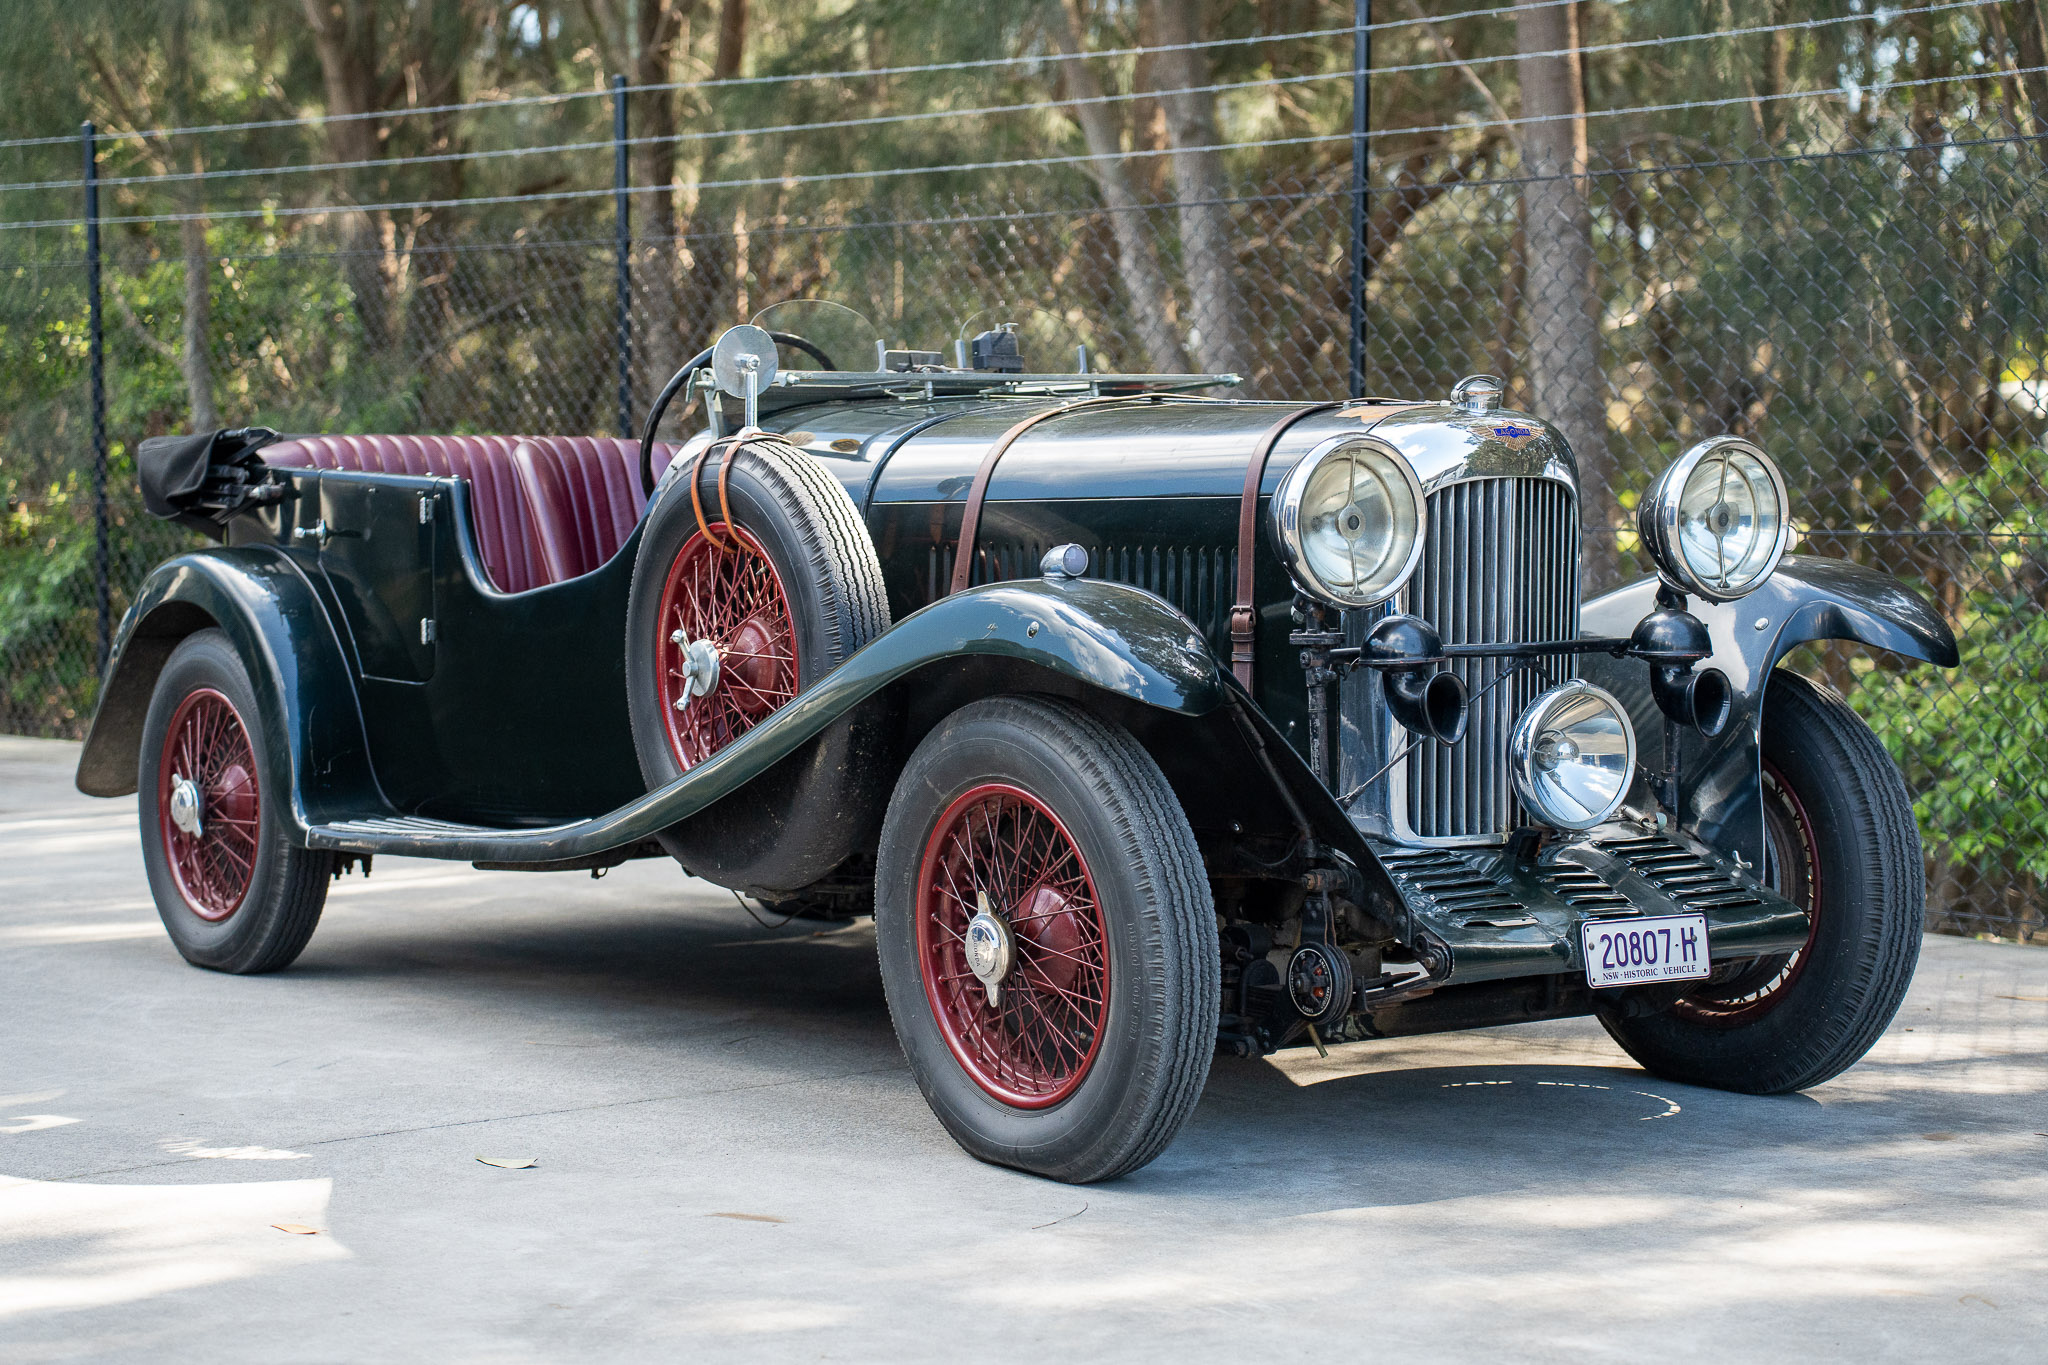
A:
x,y
235,894
1060,835
1843,844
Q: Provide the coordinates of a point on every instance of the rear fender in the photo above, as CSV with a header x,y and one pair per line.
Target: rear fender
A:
x,y
1808,598
304,689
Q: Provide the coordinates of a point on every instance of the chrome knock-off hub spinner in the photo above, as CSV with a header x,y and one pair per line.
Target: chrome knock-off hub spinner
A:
x,y
187,807
990,948
700,668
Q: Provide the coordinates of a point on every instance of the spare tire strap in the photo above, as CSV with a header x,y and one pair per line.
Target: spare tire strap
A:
x,y
970,520
726,447
696,496
1244,617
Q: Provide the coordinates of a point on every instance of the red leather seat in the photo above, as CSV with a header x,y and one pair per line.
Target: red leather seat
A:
x,y
586,501
544,508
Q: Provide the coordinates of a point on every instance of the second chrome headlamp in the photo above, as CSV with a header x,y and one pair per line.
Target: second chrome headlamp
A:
x,y
1716,521
1349,521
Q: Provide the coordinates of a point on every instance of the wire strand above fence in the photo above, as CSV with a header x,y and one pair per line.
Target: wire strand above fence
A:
x,y
984,111
853,73
1020,163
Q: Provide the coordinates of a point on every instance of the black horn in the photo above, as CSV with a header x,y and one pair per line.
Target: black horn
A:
x,y
1409,655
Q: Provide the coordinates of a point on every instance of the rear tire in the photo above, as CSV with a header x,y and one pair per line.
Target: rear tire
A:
x,y
237,895
1844,844
1095,1046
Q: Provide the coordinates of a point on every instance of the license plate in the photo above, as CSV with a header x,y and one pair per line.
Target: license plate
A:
x,y
1628,952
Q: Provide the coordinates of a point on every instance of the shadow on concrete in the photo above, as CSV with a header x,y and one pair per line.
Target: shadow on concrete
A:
x,y
1373,1121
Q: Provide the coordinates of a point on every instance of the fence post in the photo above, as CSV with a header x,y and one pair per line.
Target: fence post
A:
x,y
97,366
622,223
1361,122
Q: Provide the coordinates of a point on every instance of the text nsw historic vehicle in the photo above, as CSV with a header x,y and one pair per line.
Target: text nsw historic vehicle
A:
x,y
1145,723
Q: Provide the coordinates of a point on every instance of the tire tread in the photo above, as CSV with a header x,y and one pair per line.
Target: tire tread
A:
x,y
1843,1006
1151,831
283,906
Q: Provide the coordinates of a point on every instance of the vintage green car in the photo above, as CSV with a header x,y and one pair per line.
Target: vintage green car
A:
x,y
1146,723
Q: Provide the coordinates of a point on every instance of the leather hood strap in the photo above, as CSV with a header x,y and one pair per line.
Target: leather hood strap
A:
x,y
1244,618
970,520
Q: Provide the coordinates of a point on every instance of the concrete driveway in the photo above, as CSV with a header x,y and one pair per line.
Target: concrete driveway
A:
x,y
735,1164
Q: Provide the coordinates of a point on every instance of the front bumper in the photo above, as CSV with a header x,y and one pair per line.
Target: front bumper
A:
x,y
1498,917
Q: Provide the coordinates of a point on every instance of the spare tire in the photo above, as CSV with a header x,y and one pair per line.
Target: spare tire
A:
x,y
742,598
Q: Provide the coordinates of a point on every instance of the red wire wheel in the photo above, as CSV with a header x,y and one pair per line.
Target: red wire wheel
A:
x,y
722,600
1757,987
998,849
207,747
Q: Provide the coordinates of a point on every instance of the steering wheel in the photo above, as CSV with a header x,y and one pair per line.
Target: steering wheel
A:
x,y
682,377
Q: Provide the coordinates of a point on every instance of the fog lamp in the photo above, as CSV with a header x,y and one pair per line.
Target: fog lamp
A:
x,y
1573,754
1715,521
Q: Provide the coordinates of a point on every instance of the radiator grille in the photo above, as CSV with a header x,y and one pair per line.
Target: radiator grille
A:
x,y
1500,566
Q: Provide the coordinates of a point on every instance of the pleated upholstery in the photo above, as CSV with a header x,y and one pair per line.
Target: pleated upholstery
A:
x,y
586,499
544,508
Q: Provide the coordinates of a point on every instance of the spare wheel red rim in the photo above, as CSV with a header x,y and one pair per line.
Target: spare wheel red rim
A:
x,y
999,853
725,620
212,850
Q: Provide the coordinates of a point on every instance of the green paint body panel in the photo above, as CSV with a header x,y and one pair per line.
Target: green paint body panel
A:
x,y
1099,635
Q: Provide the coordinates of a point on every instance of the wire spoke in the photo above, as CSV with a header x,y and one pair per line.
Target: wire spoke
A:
x,y
1036,1042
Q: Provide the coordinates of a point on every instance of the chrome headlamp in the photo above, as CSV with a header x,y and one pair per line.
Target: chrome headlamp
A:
x,y
1349,521
1715,522
1573,755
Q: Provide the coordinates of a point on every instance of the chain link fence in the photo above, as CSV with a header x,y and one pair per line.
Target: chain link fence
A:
x,y
1872,317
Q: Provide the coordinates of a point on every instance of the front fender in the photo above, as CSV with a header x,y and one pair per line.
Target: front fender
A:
x,y
1808,598
1102,636
278,626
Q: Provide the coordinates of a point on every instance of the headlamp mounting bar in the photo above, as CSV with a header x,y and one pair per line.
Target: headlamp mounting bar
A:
x,y
1592,644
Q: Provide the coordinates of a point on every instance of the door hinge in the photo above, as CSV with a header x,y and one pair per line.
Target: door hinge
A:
x,y
426,509
426,630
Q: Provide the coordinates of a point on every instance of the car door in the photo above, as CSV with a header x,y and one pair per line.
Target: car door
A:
x,y
375,534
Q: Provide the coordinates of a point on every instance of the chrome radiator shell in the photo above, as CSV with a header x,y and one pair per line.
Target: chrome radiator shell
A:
x,y
1500,567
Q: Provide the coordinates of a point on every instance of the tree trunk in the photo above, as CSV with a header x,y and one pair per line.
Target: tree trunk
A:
x,y
345,38
656,311
707,291
194,357
1500,352
2030,43
732,38
1137,259
1566,378
1208,254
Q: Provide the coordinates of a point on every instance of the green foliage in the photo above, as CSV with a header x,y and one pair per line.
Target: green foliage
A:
x,y
1975,742
47,614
